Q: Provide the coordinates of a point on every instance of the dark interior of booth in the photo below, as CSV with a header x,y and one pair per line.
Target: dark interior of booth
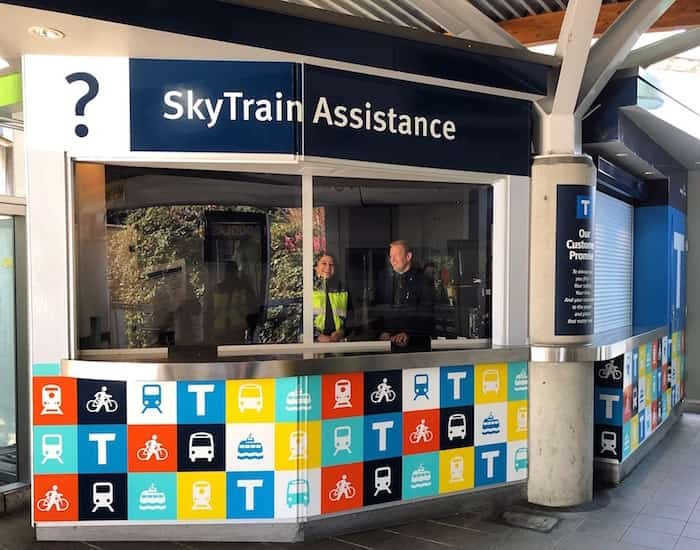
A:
x,y
194,259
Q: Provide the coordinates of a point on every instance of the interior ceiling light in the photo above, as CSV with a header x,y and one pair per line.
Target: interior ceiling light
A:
x,y
46,32
648,173
620,154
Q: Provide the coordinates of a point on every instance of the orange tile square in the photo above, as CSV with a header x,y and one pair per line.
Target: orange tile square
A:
x,y
143,460
64,504
55,400
342,395
348,497
416,440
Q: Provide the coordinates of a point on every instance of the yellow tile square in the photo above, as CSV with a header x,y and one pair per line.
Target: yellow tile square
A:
x,y
201,495
250,400
676,343
297,445
491,383
517,420
456,470
647,392
634,432
642,361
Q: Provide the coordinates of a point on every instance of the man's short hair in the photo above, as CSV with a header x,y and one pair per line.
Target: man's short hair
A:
x,y
404,244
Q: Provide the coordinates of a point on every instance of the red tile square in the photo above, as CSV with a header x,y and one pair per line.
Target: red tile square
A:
x,y
55,400
141,459
56,497
334,496
417,439
627,403
342,395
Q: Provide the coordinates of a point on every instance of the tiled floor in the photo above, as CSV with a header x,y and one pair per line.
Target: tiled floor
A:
x,y
656,507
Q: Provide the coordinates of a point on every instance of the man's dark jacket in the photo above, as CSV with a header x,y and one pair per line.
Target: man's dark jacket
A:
x,y
407,301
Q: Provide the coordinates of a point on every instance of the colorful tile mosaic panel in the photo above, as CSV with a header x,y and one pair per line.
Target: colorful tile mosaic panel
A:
x,y
286,448
635,393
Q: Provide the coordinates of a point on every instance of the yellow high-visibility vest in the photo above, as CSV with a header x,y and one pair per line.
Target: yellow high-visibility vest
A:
x,y
339,305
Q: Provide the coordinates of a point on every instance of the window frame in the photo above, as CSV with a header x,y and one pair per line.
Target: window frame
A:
x,y
510,221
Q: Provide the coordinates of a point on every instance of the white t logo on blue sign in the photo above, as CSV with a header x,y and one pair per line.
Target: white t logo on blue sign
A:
x,y
583,207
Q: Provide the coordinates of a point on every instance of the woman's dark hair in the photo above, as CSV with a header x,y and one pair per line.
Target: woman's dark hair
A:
x,y
321,254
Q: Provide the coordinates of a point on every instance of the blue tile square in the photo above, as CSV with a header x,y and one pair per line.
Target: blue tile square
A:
x,y
342,441
456,386
518,381
421,475
102,449
201,402
55,449
490,464
383,436
298,398
152,496
250,495
608,406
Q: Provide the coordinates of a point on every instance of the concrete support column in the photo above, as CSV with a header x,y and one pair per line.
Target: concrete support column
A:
x,y
561,315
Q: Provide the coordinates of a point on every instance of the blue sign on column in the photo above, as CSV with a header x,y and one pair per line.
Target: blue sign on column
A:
x,y
573,300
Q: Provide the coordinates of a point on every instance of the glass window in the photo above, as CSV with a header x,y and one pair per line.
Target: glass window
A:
x,y
11,162
8,427
184,258
434,282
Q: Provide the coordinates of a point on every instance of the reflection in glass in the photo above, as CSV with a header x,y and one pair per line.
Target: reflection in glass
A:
x,y
8,429
436,283
186,259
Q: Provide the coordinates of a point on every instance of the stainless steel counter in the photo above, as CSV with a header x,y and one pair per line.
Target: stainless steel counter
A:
x,y
277,368
604,346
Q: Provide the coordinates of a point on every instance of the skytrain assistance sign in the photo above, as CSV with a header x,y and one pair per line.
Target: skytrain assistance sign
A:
x,y
119,105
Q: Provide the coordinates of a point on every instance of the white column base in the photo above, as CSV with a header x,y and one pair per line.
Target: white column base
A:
x,y
560,460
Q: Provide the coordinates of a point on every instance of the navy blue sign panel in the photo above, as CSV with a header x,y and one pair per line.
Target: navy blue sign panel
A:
x,y
456,427
214,106
383,392
354,116
609,373
101,402
102,497
573,300
201,448
381,481
607,442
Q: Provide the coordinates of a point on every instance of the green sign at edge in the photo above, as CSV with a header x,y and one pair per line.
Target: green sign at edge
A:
x,y
10,89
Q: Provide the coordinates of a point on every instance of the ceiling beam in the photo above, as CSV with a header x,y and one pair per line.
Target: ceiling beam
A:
x,y
614,46
573,46
545,27
663,49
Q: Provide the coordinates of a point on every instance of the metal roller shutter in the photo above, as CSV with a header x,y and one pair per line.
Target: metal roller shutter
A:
x,y
614,241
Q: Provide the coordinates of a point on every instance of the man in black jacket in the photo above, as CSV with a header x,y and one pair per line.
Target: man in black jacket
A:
x,y
408,322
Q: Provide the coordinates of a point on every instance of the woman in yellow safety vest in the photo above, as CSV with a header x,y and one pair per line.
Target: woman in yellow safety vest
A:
x,y
331,301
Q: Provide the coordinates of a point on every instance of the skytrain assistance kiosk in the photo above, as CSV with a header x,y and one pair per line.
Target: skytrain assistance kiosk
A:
x,y
276,298
195,399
